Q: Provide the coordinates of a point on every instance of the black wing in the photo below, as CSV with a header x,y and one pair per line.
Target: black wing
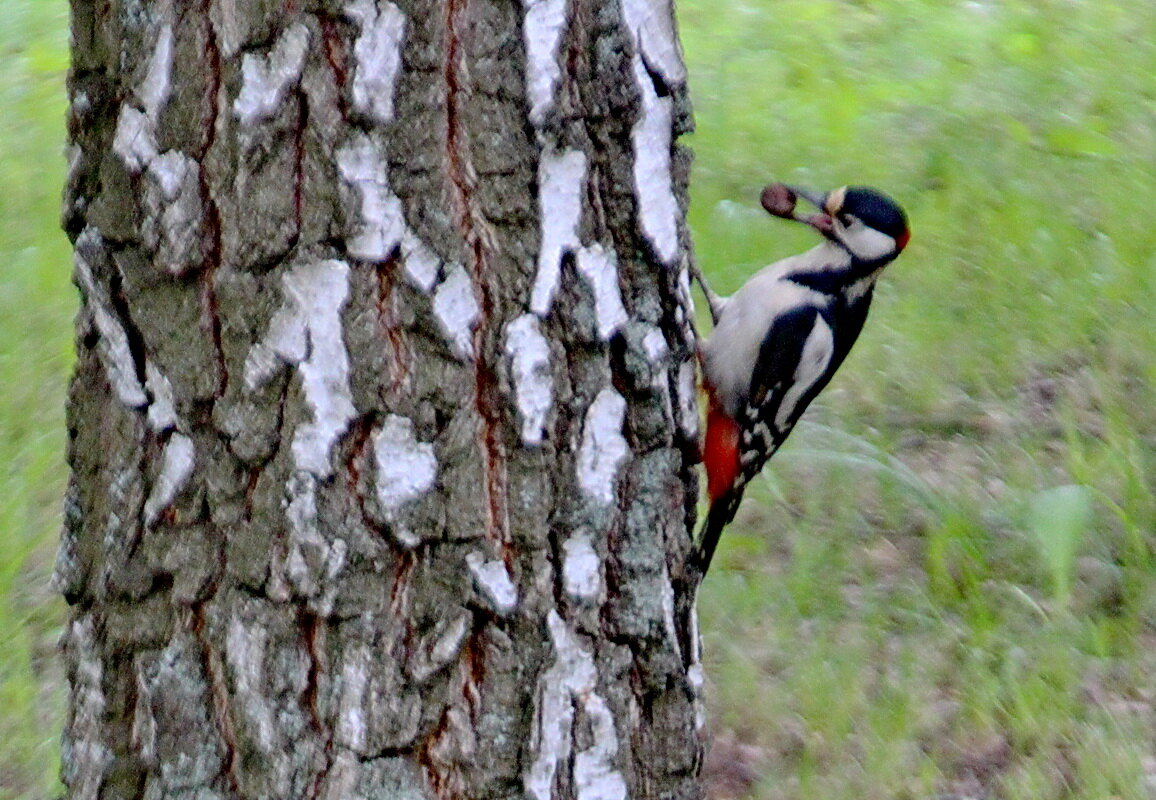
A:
x,y
795,363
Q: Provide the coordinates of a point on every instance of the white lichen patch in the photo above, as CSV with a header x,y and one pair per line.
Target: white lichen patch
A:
x,y
680,310
652,136
695,676
456,310
135,140
561,176
382,224
113,347
421,264
74,155
440,646
595,777
529,354
87,755
566,687
603,447
351,686
696,680
230,28
684,284
651,22
144,722
651,25
378,227
599,267
581,569
312,564
178,459
321,290
171,171
265,79
655,346
245,646
172,224
172,207
688,399
154,90
544,24
306,333
492,579
667,589
81,104
377,56
657,352
406,469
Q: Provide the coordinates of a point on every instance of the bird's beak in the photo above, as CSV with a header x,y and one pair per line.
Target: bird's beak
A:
x,y
811,196
822,222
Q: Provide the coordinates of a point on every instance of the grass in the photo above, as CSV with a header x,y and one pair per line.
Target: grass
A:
x,y
36,307
945,583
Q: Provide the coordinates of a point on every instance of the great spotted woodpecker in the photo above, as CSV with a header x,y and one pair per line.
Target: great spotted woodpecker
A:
x,y
778,340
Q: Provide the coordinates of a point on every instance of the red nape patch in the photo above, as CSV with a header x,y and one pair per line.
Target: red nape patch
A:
x,y
720,452
902,239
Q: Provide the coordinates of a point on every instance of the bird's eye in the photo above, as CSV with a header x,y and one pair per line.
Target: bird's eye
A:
x,y
847,220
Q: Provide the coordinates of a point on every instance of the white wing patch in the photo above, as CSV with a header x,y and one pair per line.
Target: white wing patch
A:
x,y
813,363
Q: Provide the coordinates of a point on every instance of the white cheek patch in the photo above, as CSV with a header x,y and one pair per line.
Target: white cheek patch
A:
x,y
867,244
812,367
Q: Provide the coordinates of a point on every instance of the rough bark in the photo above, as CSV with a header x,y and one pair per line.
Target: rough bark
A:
x,y
383,421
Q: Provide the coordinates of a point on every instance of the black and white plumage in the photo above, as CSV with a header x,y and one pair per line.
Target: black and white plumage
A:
x,y
778,340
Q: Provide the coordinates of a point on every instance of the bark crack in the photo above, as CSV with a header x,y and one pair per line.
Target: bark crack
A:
x,y
219,695
211,318
336,56
480,242
450,743
299,165
312,634
397,358
136,342
361,435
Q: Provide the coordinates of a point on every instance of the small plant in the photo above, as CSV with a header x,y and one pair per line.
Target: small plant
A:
x,y
1059,518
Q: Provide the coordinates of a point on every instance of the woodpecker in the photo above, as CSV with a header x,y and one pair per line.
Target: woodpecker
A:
x,y
778,340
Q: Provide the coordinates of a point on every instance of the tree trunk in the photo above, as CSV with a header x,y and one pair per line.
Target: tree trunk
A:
x,y
383,423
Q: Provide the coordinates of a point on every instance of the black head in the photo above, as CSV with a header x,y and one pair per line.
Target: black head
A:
x,y
871,207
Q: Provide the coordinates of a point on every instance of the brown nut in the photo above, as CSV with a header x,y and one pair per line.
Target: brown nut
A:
x,y
779,200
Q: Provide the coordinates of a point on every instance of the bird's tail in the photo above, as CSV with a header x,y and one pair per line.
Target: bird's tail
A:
x,y
722,511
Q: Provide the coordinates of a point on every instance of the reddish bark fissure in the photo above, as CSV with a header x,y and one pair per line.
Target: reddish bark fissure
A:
x,y
212,316
398,354
222,712
479,240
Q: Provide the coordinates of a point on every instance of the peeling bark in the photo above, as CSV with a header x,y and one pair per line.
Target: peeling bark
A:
x,y
383,424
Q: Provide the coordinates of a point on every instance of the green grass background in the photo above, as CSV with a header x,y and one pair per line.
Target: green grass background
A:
x,y
37,302
944,585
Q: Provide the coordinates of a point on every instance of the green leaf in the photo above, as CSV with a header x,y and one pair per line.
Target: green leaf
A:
x,y
1059,518
1079,140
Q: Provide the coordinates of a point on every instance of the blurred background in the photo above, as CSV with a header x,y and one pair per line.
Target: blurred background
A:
x,y
944,586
